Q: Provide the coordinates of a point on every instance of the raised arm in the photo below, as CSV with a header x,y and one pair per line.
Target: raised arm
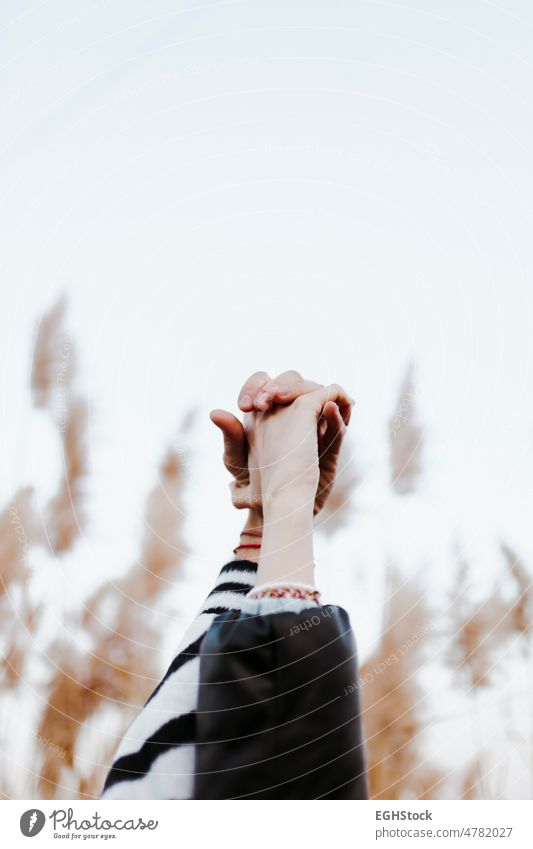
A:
x,y
278,710
155,757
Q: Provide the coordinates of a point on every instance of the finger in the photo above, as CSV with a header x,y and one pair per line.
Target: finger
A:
x,y
335,427
235,446
283,390
279,387
250,390
285,385
290,376
334,392
329,446
287,392
264,398
327,422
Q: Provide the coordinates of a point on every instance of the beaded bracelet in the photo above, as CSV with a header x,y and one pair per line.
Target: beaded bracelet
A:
x,y
288,591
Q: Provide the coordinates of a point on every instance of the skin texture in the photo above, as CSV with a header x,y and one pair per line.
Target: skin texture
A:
x,y
283,459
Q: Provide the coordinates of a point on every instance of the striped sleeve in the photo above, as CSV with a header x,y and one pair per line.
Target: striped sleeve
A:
x,y
156,756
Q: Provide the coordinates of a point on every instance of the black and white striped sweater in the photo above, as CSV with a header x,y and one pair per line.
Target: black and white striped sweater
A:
x,y
155,758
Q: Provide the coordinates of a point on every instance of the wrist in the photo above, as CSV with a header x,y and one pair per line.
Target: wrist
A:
x,y
254,523
294,503
249,546
287,544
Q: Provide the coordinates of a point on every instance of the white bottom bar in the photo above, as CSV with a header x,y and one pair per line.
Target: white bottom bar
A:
x,y
254,824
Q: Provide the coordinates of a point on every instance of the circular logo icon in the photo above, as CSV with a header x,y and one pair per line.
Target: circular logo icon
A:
x,y
32,822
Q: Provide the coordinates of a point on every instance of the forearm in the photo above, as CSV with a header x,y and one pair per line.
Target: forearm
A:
x,y
287,546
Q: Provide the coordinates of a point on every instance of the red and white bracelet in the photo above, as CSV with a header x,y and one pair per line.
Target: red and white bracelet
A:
x,y
301,592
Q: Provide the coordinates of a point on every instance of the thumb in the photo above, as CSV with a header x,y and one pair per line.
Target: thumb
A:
x,y
235,446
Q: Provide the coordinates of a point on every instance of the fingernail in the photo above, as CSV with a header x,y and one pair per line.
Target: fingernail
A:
x,y
284,390
246,401
262,398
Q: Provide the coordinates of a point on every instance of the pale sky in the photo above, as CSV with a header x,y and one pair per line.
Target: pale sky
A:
x,y
221,187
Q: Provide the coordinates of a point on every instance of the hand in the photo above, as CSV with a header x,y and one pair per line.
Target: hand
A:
x,y
296,446
260,394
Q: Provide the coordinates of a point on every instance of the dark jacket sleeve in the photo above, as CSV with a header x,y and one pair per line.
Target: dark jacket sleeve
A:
x,y
278,709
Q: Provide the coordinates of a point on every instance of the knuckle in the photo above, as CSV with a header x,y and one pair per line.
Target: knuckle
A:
x,y
291,374
253,383
258,377
335,390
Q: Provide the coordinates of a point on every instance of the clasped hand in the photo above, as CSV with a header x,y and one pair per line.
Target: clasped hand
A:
x,y
288,444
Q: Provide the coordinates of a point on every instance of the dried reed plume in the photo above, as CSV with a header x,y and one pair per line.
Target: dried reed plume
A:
x,y
123,665
479,628
18,530
393,719
53,387
52,361
522,605
405,439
